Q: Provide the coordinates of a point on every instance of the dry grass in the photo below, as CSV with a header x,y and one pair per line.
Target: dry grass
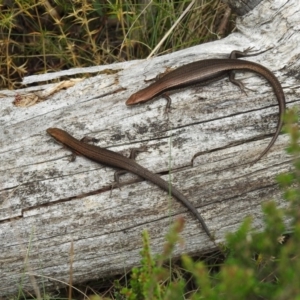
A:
x,y
43,36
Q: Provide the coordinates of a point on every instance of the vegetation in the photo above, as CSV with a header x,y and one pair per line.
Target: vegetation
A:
x,y
43,36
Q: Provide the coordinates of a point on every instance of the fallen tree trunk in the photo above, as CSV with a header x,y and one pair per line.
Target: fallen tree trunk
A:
x,y
47,203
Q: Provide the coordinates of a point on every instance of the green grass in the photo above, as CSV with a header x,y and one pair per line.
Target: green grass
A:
x,y
43,36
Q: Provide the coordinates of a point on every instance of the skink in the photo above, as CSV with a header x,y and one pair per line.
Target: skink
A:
x,y
209,70
117,160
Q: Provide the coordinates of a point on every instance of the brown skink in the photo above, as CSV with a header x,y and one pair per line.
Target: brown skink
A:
x,y
117,160
209,70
